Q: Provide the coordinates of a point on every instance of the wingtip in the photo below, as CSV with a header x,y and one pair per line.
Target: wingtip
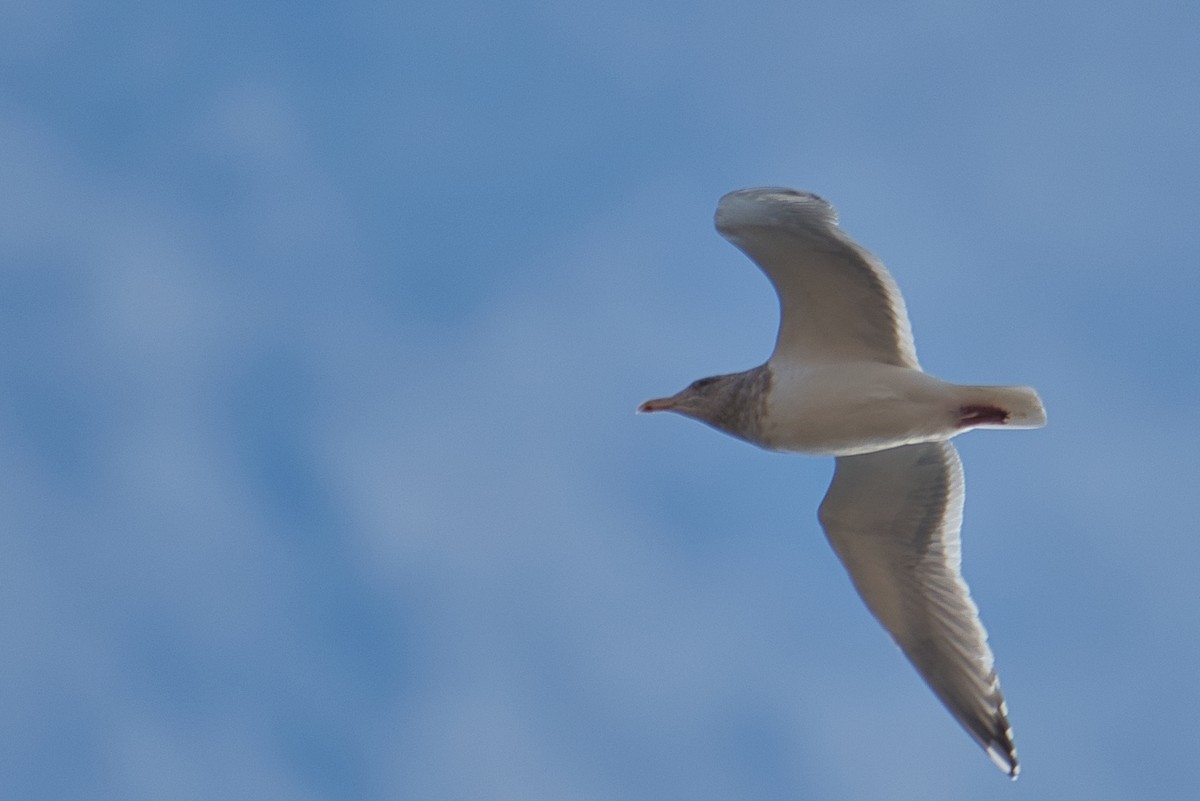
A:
x,y
1005,758
770,206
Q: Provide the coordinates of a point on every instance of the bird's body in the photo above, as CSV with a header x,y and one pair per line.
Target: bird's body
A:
x,y
860,407
844,381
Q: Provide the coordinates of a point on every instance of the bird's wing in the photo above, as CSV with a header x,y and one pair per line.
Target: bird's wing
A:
x,y
894,518
837,302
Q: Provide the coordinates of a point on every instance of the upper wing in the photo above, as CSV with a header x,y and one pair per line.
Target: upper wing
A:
x,y
894,518
837,302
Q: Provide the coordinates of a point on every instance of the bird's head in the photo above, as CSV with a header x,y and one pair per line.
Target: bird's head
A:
x,y
706,399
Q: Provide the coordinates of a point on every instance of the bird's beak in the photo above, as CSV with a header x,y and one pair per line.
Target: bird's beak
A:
x,y
658,405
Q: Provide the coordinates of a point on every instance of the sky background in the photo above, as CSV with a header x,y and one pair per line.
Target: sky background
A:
x,y
323,328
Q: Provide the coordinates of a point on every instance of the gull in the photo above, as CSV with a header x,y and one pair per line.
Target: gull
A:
x,y
844,381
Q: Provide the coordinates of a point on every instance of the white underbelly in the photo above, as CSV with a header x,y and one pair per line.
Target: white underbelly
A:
x,y
845,409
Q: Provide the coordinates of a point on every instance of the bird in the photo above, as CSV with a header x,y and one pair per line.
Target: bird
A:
x,y
843,380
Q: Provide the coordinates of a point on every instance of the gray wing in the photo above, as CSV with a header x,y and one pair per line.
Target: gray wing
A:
x,y
894,518
837,302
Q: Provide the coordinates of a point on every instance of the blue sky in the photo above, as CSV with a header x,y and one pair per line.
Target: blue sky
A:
x,y
324,327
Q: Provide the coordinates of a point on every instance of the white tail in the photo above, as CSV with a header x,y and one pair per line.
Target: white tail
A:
x,y
1021,407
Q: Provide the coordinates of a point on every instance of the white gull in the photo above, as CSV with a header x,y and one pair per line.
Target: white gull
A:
x,y
844,381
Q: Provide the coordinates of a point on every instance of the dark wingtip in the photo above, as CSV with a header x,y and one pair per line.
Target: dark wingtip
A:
x,y
1005,758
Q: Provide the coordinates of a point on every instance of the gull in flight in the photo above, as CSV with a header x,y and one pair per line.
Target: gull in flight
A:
x,y
844,381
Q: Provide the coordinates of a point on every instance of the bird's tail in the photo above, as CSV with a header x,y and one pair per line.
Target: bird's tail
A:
x,y
1001,407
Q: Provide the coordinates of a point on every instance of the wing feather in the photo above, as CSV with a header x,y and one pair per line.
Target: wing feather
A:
x,y
894,518
837,301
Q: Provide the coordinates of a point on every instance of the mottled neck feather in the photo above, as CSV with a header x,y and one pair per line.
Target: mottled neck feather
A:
x,y
743,404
